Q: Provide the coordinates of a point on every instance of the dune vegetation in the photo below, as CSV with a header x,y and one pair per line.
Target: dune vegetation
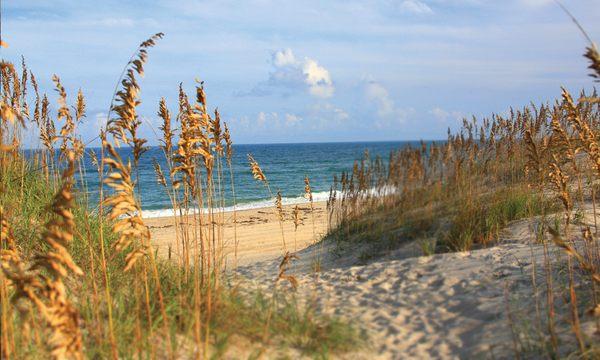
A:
x,y
82,280
540,162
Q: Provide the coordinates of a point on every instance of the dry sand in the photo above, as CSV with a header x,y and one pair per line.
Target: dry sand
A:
x,y
258,233
448,306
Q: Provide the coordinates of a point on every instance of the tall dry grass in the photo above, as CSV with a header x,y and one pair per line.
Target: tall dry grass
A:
x,y
540,162
83,280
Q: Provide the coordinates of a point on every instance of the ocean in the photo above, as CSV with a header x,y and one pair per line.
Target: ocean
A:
x,y
285,166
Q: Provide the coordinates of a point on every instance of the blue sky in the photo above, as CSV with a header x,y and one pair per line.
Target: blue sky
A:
x,y
300,71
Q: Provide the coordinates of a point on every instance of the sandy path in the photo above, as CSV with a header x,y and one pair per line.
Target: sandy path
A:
x,y
445,306
442,306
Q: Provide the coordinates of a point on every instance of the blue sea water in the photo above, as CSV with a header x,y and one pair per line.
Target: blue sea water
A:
x,y
285,166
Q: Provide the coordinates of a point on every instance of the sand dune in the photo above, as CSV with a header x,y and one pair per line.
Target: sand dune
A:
x,y
442,306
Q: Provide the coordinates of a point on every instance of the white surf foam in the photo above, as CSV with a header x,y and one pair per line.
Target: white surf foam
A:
x,y
260,204
267,203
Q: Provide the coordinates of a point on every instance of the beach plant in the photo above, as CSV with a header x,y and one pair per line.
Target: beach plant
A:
x,y
459,195
84,280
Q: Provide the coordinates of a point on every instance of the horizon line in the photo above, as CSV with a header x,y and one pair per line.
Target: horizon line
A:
x,y
294,143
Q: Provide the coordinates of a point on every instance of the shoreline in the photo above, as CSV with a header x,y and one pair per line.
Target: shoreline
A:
x,y
318,197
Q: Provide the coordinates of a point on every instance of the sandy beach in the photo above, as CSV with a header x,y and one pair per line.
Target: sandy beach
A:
x,y
258,233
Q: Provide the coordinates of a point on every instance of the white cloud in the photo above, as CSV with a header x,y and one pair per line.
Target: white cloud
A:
x,y
261,119
340,114
377,94
328,114
317,78
439,113
292,119
415,7
387,111
444,115
400,117
291,73
267,119
270,120
284,57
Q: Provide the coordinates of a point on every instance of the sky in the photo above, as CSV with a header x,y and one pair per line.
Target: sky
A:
x,y
311,71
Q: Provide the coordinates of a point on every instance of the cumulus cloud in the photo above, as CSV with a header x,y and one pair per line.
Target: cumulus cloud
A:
x,y
317,78
291,73
415,7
